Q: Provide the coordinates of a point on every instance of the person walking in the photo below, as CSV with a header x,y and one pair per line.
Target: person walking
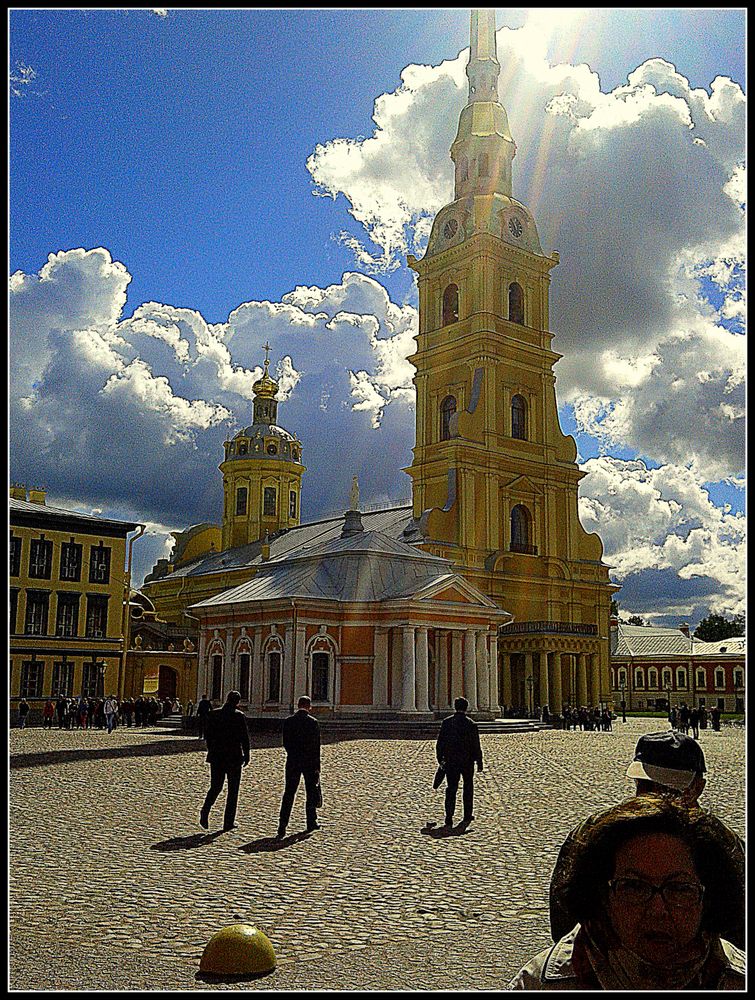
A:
x,y
203,710
48,714
110,708
694,721
23,713
458,750
301,740
227,751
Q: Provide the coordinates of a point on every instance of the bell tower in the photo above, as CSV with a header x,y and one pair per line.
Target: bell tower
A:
x,y
262,472
494,478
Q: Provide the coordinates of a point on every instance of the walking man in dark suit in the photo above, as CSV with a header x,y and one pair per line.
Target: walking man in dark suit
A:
x,y
458,750
203,711
301,739
227,750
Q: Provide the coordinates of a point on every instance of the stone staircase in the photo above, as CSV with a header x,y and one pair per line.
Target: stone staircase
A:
x,y
420,729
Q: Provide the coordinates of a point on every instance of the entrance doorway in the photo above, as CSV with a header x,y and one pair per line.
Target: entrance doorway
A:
x,y
167,684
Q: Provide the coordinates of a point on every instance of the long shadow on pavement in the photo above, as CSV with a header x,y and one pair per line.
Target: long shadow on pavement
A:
x,y
186,843
441,832
269,844
165,747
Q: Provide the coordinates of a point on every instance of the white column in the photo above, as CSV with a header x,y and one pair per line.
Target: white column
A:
x,y
301,681
229,672
493,674
470,670
457,683
408,670
422,672
287,679
380,668
441,660
396,641
201,665
544,688
257,686
483,680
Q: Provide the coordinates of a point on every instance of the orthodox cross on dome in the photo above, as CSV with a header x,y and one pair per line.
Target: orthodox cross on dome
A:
x,y
267,355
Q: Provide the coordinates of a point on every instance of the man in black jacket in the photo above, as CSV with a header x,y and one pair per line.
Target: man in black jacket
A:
x,y
227,749
458,750
203,711
301,739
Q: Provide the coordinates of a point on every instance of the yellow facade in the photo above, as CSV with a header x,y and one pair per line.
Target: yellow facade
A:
x,y
69,581
494,478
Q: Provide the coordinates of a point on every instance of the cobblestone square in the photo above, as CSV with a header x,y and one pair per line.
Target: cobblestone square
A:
x,y
113,885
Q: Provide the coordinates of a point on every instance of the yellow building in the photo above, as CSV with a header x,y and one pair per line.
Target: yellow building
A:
x,y
262,474
69,586
494,478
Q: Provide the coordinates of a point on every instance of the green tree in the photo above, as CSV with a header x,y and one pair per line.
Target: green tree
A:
x,y
635,620
716,627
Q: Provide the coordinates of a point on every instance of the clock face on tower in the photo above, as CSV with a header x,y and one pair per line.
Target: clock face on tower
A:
x,y
515,227
450,229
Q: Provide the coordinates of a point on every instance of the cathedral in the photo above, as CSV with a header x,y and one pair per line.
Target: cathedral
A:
x,y
488,585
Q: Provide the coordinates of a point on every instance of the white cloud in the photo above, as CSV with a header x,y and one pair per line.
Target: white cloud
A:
x,y
640,189
661,521
106,407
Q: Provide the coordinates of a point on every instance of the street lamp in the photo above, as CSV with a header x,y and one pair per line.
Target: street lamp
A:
x,y
530,685
101,668
668,700
623,702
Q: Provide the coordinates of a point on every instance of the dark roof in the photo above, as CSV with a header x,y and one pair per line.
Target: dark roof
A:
x,y
22,511
390,521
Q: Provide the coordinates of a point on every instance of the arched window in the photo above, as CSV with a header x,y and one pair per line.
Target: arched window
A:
x,y
622,678
241,495
519,418
667,681
701,679
521,530
447,410
516,303
681,677
653,678
719,679
639,680
320,676
450,305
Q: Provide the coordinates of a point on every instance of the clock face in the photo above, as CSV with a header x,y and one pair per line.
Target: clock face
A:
x,y
450,229
515,227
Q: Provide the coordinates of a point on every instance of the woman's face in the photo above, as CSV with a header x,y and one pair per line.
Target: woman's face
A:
x,y
660,931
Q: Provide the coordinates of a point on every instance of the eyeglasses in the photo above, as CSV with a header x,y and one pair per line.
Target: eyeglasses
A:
x,y
636,892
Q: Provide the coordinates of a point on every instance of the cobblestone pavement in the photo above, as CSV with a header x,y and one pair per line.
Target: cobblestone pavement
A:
x,y
114,885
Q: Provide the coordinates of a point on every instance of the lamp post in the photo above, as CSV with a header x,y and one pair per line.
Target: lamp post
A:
x,y
623,703
530,685
101,668
668,700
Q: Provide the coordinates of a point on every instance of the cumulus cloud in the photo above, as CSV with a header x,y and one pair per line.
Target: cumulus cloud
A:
x,y
114,408
661,527
641,189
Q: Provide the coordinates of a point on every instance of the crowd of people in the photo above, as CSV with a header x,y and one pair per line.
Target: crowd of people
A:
x,y
102,713
685,719
584,718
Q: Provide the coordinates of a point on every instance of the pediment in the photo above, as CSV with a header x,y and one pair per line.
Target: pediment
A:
x,y
455,590
524,485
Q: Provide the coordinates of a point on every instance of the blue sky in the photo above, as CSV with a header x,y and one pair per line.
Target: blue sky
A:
x,y
189,147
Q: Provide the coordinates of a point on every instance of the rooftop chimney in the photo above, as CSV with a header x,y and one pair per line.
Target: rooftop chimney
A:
x,y
613,621
684,629
37,496
18,491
